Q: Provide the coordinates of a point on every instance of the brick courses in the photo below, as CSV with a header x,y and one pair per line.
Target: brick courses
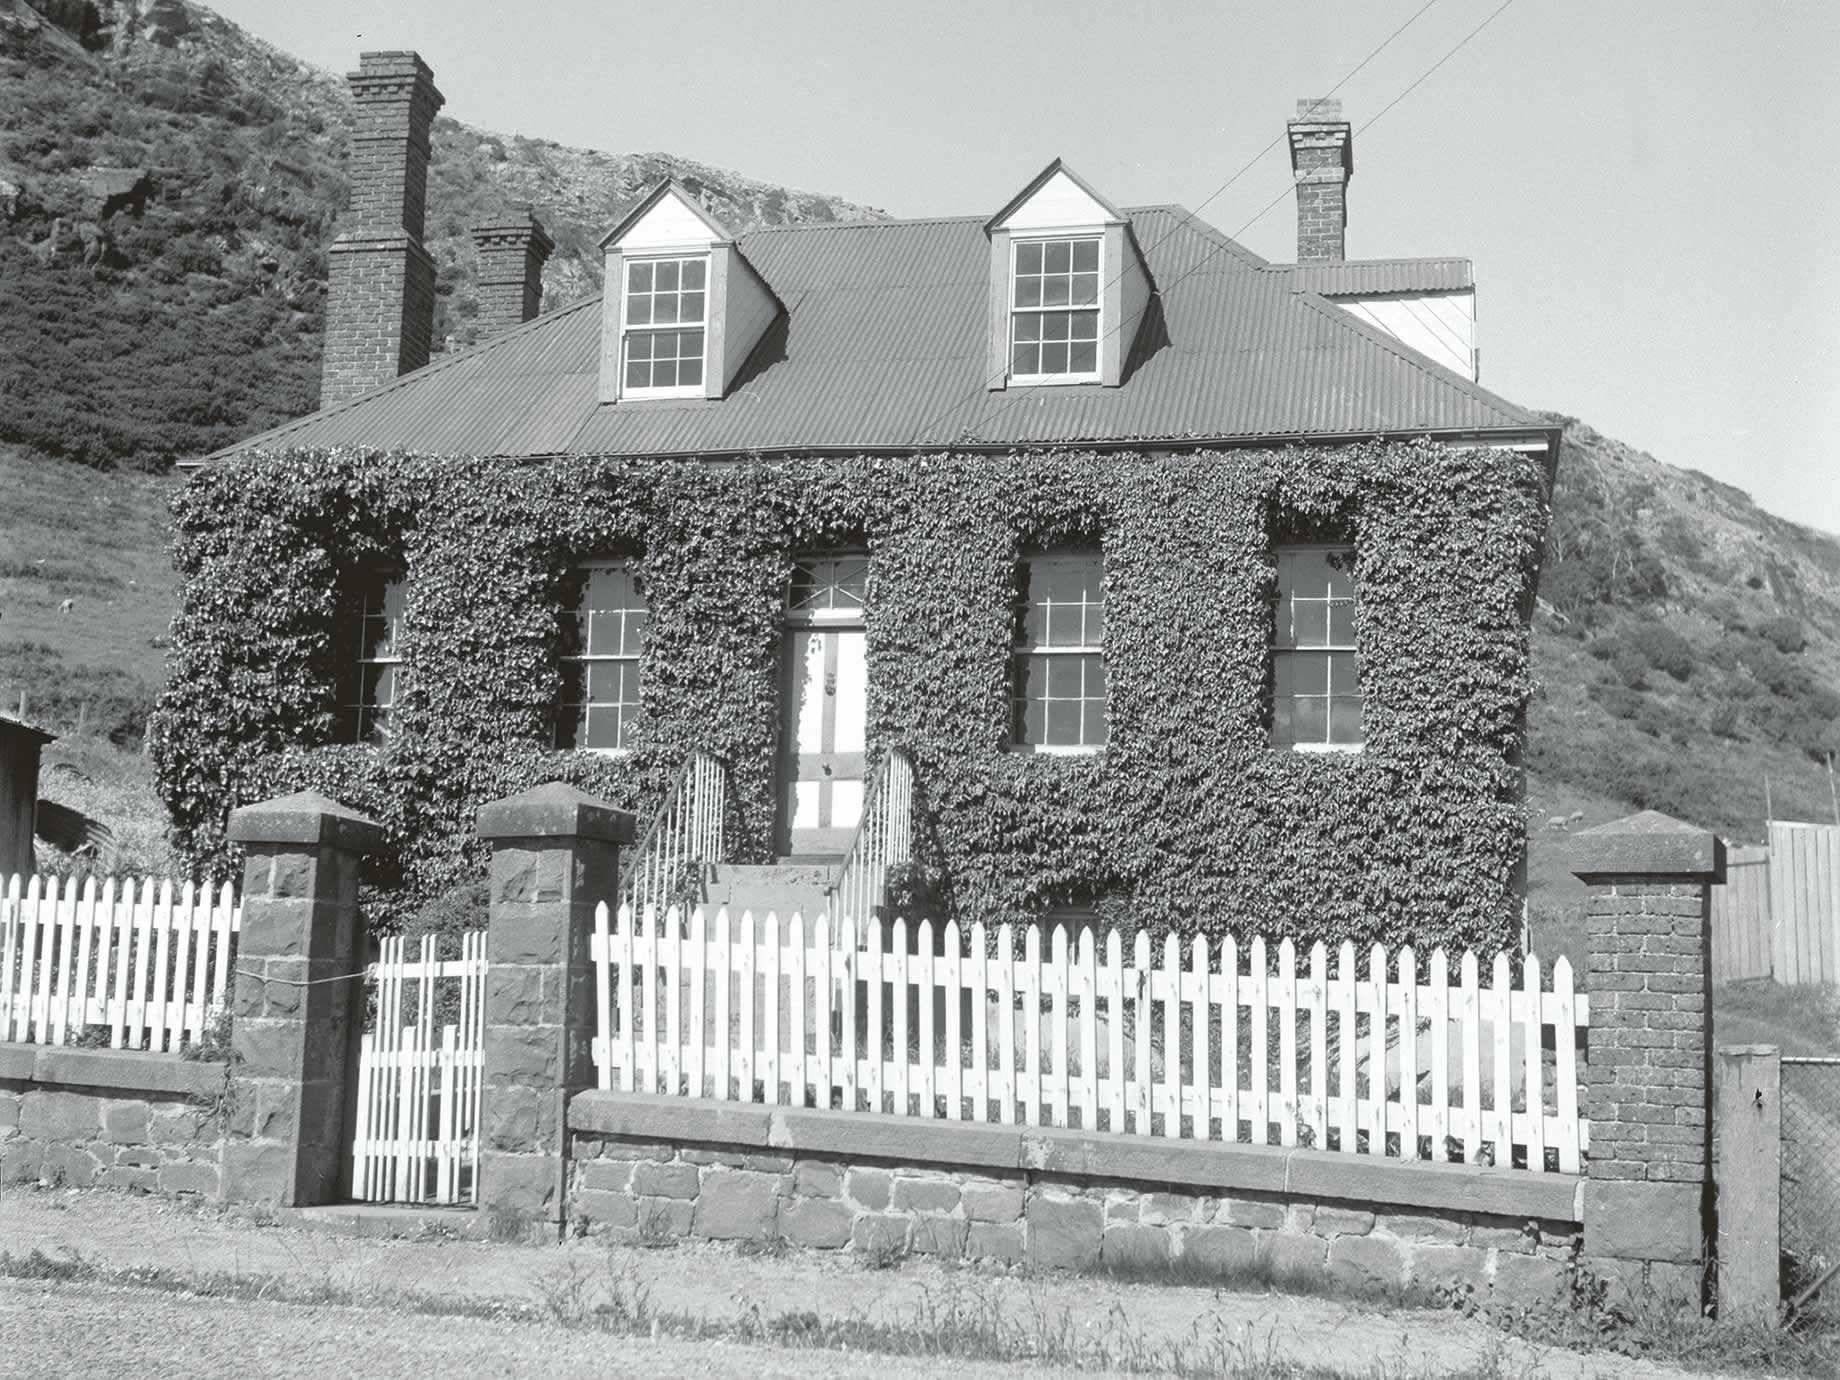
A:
x,y
380,312
1322,161
511,258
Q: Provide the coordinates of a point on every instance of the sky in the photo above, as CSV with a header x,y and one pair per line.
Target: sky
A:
x,y
1647,188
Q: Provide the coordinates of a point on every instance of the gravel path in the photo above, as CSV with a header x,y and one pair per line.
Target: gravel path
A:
x,y
714,1284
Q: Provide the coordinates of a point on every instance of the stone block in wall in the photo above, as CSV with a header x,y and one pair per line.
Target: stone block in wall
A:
x,y
21,1160
1134,1245
1524,1237
667,1217
604,1176
1266,1214
925,1195
1295,1254
128,1179
125,1123
605,1209
9,1111
993,1241
870,1188
60,1116
702,1154
823,1223
879,1232
675,1180
189,1176
992,1202
1530,1278
1413,1226
940,1236
1159,1209
1063,1233
1450,1267
1369,1260
1336,1221
646,1150
1644,1221
816,1179
735,1205
1219,1248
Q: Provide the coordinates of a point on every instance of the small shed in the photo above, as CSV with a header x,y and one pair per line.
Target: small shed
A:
x,y
20,746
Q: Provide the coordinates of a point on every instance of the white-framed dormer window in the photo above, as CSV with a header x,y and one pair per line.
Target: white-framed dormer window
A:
x,y
1055,294
666,326
603,638
1057,667
1316,686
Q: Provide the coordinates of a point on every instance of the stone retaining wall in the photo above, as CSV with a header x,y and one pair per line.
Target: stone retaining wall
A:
x,y
665,1167
110,1119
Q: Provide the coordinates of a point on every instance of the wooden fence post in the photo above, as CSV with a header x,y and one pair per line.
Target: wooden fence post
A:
x,y
1749,1141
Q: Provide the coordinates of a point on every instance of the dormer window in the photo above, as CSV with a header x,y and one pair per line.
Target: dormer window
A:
x,y
666,320
1054,311
1068,286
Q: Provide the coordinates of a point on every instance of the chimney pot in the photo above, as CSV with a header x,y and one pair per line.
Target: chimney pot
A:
x,y
1322,161
512,252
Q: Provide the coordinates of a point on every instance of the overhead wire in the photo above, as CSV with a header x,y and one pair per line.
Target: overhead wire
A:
x,y
1163,290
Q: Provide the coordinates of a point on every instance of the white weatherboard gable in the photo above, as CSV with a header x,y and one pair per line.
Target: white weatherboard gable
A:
x,y
670,224
1059,203
1440,325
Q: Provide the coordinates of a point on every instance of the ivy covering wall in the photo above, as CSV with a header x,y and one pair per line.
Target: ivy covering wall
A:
x,y
1187,818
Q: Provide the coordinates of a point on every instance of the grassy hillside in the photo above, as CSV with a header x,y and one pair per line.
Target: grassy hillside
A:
x,y
168,188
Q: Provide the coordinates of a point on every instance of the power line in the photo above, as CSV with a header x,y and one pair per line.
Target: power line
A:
x,y
1163,291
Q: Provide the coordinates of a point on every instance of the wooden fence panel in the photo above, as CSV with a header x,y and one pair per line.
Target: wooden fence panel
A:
x,y
1388,1054
1804,902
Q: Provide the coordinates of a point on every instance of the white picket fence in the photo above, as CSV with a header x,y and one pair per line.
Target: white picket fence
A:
x,y
1217,1042
417,1133
149,966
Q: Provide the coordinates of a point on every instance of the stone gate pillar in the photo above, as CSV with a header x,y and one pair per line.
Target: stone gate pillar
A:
x,y
1647,1203
555,854
297,999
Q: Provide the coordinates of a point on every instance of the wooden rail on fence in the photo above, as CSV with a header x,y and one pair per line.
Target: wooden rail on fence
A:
x,y
149,970
1216,1041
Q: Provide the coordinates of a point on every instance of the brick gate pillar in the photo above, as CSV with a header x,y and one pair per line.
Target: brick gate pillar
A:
x,y
297,997
1647,1202
555,854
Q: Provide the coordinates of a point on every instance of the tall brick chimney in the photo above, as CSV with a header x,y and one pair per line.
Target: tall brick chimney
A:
x,y
380,315
512,252
1322,160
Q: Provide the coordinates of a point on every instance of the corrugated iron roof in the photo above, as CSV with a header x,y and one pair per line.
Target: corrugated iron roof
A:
x,y
882,347
1368,277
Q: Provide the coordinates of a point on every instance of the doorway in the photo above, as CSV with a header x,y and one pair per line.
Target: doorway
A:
x,y
825,705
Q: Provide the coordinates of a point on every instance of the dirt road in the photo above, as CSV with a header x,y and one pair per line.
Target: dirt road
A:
x,y
701,1284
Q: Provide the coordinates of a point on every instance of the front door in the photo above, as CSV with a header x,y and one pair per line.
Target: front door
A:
x,y
826,707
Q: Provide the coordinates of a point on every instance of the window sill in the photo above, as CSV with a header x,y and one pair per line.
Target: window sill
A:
x,y
1327,749
1052,380
596,752
662,394
1052,750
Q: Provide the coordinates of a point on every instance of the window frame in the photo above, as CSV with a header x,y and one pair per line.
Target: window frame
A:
x,y
364,722
653,328
1093,234
587,660
1351,649
1022,654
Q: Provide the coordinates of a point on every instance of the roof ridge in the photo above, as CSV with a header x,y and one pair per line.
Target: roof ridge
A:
x,y
1364,263
890,223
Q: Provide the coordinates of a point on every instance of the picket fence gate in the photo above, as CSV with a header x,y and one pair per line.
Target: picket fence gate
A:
x,y
148,965
1266,1048
416,1138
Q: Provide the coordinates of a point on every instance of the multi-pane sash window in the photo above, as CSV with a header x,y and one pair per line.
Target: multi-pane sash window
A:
x,y
1054,310
1058,666
602,637
370,697
1316,702
666,307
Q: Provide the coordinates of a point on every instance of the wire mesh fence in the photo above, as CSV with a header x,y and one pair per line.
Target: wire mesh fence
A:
x,y
1810,1172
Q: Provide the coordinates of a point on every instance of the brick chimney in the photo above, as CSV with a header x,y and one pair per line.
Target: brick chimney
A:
x,y
1322,160
380,315
512,252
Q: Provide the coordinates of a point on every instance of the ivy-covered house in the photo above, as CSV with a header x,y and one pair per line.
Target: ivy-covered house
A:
x,y
1182,585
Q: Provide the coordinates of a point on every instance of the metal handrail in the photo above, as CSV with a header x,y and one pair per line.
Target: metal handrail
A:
x,y
884,839
687,829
